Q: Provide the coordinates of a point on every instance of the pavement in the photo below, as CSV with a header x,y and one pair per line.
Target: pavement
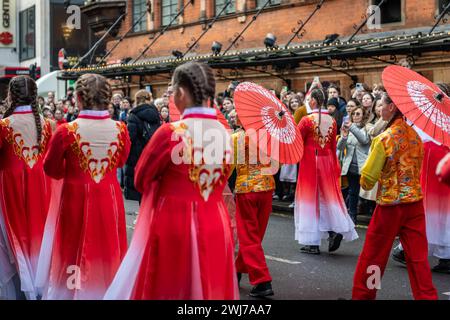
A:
x,y
298,276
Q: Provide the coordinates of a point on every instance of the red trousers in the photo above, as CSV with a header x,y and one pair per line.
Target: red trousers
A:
x,y
407,221
252,215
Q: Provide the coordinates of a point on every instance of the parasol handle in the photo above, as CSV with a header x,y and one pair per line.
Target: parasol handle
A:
x,y
281,114
439,97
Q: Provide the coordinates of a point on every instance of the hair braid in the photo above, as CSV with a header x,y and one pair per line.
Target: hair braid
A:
x,y
94,91
210,83
197,94
37,117
23,91
198,79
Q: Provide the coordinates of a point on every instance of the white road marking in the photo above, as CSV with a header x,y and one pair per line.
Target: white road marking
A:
x,y
282,260
282,215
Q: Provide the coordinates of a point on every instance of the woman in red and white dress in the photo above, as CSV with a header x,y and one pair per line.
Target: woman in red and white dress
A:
x,y
320,210
182,248
436,200
24,188
85,235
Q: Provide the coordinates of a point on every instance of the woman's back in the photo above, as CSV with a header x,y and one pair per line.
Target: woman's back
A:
x,y
320,136
19,147
93,146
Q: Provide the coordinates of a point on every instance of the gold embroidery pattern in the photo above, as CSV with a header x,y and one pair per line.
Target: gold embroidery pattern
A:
x,y
89,164
249,177
400,178
30,155
321,140
203,177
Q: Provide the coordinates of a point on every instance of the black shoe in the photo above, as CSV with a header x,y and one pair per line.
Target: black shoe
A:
x,y
443,266
239,277
310,249
262,290
399,256
334,241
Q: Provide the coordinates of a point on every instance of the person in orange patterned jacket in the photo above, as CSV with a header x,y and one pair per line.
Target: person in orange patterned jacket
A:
x,y
254,188
394,161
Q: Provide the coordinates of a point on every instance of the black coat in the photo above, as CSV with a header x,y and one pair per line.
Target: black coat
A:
x,y
136,121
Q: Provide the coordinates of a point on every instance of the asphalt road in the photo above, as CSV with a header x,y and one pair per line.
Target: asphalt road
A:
x,y
298,276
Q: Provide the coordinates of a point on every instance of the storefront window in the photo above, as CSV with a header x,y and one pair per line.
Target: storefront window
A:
x,y
27,41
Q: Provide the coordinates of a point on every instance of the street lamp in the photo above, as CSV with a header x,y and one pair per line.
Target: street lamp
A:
x,y
270,40
216,48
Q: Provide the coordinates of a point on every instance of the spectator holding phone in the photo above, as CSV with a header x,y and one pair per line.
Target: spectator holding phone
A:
x,y
354,143
359,91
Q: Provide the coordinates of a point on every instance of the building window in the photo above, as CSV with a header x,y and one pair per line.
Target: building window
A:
x,y
139,8
230,9
391,11
442,4
27,41
261,3
169,11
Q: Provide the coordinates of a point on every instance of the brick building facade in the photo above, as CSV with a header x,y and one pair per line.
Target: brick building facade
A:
x,y
397,18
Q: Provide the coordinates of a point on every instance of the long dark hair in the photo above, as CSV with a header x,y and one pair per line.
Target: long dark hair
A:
x,y
22,91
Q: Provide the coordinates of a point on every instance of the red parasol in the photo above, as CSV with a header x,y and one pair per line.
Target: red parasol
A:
x,y
420,100
174,113
173,110
260,110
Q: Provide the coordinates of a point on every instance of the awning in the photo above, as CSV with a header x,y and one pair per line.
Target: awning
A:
x,y
361,47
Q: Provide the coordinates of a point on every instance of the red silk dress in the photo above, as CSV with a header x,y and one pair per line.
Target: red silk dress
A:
x,y
24,196
319,205
436,200
183,247
85,237
443,170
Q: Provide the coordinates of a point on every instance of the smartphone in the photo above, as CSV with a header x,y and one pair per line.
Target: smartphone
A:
x,y
359,87
346,119
234,84
285,88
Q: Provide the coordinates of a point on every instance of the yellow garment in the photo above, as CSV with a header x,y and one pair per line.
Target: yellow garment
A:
x,y
395,161
249,176
299,114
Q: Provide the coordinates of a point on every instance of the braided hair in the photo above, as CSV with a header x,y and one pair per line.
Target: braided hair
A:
x,y
319,96
23,92
198,79
94,91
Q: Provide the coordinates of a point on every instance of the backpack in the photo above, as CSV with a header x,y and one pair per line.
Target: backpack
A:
x,y
146,132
